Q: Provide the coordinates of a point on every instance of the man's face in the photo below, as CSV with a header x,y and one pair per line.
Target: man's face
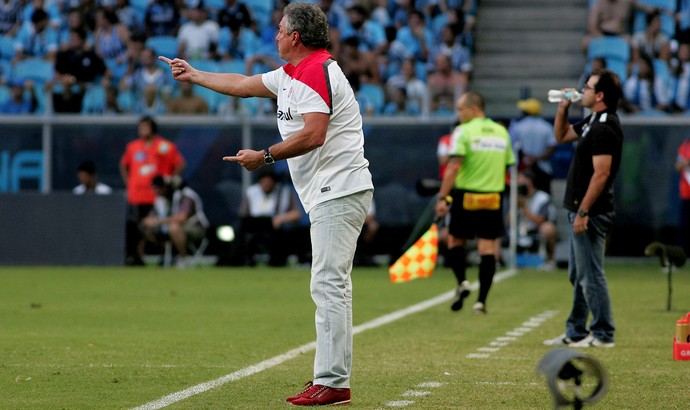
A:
x,y
267,184
75,42
159,190
144,129
588,93
84,177
283,39
41,25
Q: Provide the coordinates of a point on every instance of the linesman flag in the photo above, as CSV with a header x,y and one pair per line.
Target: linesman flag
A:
x,y
419,261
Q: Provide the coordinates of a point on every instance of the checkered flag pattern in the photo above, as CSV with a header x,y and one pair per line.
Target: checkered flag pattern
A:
x,y
419,261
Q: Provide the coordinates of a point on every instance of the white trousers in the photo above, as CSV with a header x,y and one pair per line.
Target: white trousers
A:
x,y
335,227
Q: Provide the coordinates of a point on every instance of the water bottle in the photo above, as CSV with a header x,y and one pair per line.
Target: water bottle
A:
x,y
556,96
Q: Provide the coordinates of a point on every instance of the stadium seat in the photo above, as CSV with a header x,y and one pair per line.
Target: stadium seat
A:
x,y
117,69
661,70
5,94
94,100
609,47
232,66
668,25
41,72
370,95
6,48
205,65
437,25
615,50
125,100
261,11
37,69
619,67
140,5
163,45
211,97
5,71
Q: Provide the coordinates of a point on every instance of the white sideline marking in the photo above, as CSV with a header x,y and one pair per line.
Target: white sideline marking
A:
x,y
399,403
432,385
416,393
291,354
501,341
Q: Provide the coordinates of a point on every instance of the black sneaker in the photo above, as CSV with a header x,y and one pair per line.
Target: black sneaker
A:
x,y
461,293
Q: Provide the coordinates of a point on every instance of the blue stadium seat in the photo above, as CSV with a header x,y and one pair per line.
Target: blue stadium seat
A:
x,y
40,72
261,10
5,94
125,100
371,95
205,65
140,5
117,69
609,47
6,48
619,67
437,25
615,50
668,25
232,66
94,100
661,70
211,97
5,70
163,45
37,69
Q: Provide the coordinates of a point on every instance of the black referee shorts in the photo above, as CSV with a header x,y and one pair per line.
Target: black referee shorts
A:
x,y
468,224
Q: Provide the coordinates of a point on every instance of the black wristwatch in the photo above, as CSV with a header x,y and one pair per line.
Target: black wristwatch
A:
x,y
268,158
582,213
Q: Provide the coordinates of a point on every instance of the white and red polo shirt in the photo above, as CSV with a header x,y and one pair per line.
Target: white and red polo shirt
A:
x,y
337,168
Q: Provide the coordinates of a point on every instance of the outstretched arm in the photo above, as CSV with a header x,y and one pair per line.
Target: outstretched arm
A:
x,y
225,83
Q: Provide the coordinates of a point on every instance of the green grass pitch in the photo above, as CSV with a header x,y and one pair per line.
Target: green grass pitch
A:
x,y
119,338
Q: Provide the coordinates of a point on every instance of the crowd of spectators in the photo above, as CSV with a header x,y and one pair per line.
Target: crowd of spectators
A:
x,y
402,57
653,60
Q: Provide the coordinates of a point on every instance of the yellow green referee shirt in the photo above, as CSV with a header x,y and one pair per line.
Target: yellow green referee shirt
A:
x,y
486,150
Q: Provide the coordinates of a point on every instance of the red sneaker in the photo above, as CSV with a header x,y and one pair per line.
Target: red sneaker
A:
x,y
318,395
308,386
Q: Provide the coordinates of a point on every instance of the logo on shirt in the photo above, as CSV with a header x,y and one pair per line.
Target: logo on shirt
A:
x,y
164,147
489,143
285,115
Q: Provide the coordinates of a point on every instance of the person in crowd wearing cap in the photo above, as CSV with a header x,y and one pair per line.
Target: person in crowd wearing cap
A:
x,y
533,140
